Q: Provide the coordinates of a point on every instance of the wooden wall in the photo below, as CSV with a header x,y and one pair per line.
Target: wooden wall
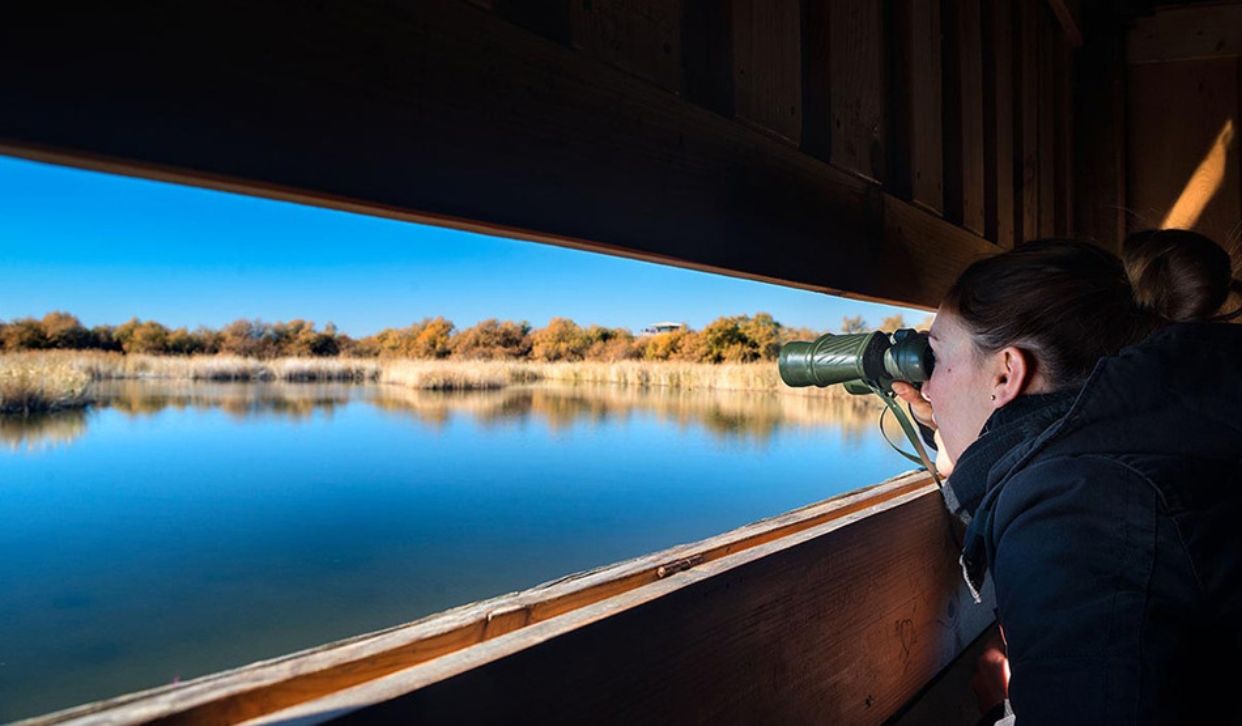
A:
x,y
855,146
1184,108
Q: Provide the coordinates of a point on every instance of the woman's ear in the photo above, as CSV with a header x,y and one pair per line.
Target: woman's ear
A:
x,y
1011,376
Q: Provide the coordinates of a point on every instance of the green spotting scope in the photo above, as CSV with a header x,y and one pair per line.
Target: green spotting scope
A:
x,y
862,361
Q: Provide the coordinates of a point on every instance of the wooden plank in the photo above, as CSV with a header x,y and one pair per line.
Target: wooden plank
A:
x,y
856,48
920,238
916,122
927,114
1064,140
1049,43
1027,136
1068,14
963,99
568,604
549,18
707,54
1186,33
999,123
942,702
1192,157
830,629
639,36
816,81
767,60
1100,133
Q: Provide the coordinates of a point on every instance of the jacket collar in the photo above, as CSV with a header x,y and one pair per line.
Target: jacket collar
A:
x,y
1021,419
977,475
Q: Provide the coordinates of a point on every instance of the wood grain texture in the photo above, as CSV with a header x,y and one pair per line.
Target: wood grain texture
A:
x,y
946,700
1187,33
963,104
767,66
1049,43
549,18
999,123
1068,14
639,36
920,239
1027,136
1099,139
830,629
707,54
926,113
857,50
1064,139
1166,149
816,80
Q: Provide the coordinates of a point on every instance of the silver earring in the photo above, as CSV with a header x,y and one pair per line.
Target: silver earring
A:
x,y
993,396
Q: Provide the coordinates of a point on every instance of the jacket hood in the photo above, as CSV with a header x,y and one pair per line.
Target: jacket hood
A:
x,y
1177,393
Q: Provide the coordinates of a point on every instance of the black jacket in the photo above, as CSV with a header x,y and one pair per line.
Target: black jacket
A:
x,y
1110,519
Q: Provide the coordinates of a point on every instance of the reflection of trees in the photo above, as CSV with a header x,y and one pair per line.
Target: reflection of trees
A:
x,y
239,400
38,431
725,414
728,414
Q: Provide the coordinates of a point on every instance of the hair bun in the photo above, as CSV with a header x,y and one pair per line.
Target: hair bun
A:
x,y
1177,274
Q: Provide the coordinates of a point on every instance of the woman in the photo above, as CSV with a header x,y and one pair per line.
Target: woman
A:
x,y
1091,415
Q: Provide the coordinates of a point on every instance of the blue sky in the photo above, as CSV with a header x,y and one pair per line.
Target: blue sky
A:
x,y
107,248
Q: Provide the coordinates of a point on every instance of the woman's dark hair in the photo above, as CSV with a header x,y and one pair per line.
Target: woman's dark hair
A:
x,y
1071,303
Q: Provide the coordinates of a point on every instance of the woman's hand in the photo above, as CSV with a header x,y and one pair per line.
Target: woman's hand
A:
x,y
919,406
922,410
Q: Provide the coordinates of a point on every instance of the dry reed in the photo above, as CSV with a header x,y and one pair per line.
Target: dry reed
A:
x,y
423,374
32,384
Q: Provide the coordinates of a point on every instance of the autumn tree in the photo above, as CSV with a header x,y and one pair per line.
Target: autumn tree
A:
x,y
562,339
893,322
62,330
855,324
493,340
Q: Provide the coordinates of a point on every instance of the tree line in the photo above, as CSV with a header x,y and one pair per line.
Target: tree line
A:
x,y
733,339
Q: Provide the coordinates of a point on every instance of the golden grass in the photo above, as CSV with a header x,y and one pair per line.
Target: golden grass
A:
x,y
420,374
31,384
108,366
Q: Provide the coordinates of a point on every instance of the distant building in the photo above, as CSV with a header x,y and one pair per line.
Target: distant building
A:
x,y
664,327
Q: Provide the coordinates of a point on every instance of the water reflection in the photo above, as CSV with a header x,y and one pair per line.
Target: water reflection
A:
x,y
40,431
727,414
191,527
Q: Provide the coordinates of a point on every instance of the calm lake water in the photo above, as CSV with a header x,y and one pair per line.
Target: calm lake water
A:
x,y
173,530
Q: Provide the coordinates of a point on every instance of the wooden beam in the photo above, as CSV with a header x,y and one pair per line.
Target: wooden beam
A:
x,y
817,131
1099,138
830,626
916,120
1068,14
856,49
999,123
1027,137
639,36
707,54
440,111
1064,139
1049,42
1186,33
963,105
767,58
